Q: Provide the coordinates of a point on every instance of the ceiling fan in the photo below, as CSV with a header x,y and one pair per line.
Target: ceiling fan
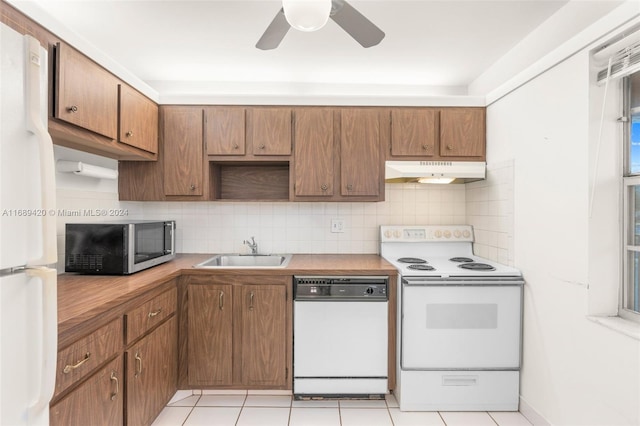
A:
x,y
353,22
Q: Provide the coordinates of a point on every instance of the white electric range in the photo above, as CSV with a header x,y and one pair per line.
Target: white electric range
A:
x,y
459,333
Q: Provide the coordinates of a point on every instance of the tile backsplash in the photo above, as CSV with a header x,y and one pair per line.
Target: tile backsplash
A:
x,y
213,227
489,208
286,227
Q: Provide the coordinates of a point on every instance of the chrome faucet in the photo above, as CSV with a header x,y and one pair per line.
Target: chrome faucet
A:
x,y
252,245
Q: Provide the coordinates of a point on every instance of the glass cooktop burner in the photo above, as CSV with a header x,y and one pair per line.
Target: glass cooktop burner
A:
x,y
461,259
477,266
411,260
421,267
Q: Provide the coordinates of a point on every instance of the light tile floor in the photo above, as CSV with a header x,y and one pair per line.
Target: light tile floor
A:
x,y
267,409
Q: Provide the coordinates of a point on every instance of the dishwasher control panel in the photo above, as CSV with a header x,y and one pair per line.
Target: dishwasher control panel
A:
x,y
371,288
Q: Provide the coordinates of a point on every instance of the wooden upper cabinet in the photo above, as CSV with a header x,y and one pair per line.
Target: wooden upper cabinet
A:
x,y
183,151
86,94
462,132
225,130
138,120
414,131
314,152
270,131
210,329
360,162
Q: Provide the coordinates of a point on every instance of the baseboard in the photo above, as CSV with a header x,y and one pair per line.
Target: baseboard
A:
x,y
535,418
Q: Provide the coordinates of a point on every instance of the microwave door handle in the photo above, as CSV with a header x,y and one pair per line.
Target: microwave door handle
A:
x,y
173,236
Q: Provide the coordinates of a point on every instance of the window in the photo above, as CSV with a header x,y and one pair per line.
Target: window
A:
x,y
630,295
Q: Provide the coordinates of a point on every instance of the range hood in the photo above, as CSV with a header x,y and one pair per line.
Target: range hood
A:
x,y
434,171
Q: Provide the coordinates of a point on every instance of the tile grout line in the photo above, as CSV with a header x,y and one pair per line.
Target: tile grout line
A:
x,y
191,411
389,412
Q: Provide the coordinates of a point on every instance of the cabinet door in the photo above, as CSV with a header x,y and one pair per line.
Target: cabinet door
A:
x,y
262,315
210,331
271,131
462,132
183,151
314,153
86,94
152,366
98,401
225,130
360,152
414,131
138,120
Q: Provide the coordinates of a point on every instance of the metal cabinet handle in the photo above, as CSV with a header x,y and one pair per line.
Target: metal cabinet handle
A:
x,y
138,365
129,133
117,383
154,313
236,146
221,301
73,108
350,187
192,187
251,301
69,368
261,146
426,147
449,147
324,187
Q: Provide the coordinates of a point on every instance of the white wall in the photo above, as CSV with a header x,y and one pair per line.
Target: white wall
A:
x,y
575,372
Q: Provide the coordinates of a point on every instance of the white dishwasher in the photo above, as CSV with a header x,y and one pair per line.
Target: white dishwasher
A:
x,y
340,336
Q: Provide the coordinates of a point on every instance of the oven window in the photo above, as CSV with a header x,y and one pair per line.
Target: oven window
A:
x,y
150,241
630,297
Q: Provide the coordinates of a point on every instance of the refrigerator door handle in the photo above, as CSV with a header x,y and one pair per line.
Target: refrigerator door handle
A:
x,y
48,279
36,59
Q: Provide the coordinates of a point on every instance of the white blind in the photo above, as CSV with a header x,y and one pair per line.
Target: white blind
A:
x,y
624,62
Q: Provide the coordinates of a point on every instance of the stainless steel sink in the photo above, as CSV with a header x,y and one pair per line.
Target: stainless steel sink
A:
x,y
246,261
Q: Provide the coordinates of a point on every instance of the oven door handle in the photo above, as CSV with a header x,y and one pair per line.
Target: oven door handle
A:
x,y
463,281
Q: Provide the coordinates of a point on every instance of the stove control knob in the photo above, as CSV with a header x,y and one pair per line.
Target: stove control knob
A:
x,y
466,233
447,234
438,234
387,233
369,291
457,233
397,233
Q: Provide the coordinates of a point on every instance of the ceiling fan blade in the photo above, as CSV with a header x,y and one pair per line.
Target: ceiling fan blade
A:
x,y
355,24
274,33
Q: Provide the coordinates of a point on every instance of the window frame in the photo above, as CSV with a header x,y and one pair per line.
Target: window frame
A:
x,y
629,181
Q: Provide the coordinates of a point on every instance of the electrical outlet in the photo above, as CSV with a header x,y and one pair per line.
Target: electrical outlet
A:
x,y
337,225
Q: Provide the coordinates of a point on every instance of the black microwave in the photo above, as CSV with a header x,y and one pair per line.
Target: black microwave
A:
x,y
118,248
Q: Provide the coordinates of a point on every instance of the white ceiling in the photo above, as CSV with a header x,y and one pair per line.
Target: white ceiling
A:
x,y
203,45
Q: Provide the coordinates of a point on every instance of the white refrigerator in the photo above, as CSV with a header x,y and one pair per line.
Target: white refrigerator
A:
x,y
28,293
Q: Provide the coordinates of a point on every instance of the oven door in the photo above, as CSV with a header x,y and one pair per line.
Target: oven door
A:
x,y
466,325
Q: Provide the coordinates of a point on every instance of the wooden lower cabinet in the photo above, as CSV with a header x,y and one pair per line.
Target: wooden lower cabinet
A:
x,y
151,373
211,334
238,332
261,317
98,401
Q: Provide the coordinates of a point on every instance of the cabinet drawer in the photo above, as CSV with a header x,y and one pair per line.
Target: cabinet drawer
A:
x,y
149,314
98,401
78,360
